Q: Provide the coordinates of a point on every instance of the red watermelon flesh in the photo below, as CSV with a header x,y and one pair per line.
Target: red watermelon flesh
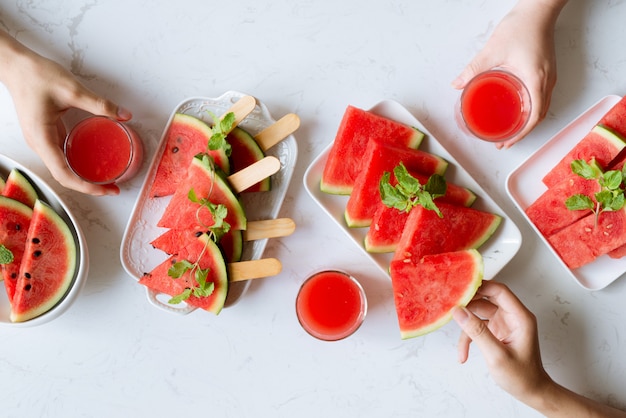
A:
x,y
426,291
208,255
15,219
600,143
615,118
378,159
185,137
460,228
18,187
48,265
173,240
246,151
356,129
388,223
583,241
549,213
182,213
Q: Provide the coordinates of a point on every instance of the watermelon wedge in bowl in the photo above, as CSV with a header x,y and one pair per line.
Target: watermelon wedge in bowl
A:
x,y
137,253
497,251
50,214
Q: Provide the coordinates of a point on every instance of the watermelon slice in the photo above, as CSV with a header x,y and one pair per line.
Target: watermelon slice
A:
x,y
583,241
246,151
173,240
600,143
356,129
185,137
549,213
47,267
208,256
14,221
426,291
209,183
615,118
2,184
388,223
378,159
18,187
460,228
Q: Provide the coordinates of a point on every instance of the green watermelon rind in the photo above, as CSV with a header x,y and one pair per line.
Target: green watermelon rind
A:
x,y
221,286
463,300
67,238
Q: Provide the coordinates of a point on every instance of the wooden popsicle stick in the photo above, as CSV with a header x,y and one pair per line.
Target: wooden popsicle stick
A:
x,y
241,108
254,173
269,228
278,131
254,269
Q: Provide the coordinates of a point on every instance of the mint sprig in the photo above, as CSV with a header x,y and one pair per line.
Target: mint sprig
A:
x,y
203,287
6,256
409,192
220,130
611,194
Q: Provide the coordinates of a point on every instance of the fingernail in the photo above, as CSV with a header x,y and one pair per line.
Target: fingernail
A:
x,y
460,315
123,114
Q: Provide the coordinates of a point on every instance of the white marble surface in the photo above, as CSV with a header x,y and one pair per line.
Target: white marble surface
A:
x,y
113,354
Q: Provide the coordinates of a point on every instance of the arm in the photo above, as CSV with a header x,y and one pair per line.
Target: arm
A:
x,y
42,91
508,340
523,42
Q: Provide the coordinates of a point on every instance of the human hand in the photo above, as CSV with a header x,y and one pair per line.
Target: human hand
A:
x,y
42,92
522,43
505,331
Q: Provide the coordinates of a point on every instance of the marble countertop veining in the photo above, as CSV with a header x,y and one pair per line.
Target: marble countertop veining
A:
x,y
114,354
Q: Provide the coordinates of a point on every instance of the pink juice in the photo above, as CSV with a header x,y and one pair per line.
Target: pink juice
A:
x,y
331,305
495,106
102,151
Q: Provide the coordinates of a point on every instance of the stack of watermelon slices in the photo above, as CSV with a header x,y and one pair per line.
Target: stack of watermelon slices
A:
x,y
185,165
574,235
432,255
42,246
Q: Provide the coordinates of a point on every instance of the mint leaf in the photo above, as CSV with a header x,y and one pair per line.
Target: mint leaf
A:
x,y
175,300
409,192
220,130
579,202
586,170
179,268
6,256
612,179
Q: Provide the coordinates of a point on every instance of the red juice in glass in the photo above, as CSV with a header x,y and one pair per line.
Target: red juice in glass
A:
x,y
331,305
103,151
494,106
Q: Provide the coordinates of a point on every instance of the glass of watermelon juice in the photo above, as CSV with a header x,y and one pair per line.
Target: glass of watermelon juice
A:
x,y
102,150
331,305
494,106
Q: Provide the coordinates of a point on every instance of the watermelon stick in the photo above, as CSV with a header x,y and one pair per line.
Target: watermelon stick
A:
x,y
253,269
254,173
278,131
241,108
269,228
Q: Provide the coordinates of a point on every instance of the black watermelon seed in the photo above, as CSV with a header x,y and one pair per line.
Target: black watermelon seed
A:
x,y
174,150
27,287
37,253
36,240
27,275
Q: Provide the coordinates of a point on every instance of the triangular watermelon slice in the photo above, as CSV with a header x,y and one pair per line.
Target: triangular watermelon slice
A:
x,y
426,291
207,182
357,127
379,158
47,267
615,118
208,256
460,228
600,143
185,137
173,240
15,218
18,187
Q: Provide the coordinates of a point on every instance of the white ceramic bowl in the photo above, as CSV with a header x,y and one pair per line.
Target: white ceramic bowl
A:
x,y
49,196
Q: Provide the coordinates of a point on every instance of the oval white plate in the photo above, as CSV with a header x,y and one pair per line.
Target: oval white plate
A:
x,y
138,256
496,252
524,186
49,196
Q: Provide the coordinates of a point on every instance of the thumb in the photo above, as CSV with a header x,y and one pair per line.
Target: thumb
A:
x,y
477,66
476,330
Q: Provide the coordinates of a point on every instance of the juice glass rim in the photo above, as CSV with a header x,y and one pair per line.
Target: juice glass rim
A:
x,y
362,312
522,90
128,134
